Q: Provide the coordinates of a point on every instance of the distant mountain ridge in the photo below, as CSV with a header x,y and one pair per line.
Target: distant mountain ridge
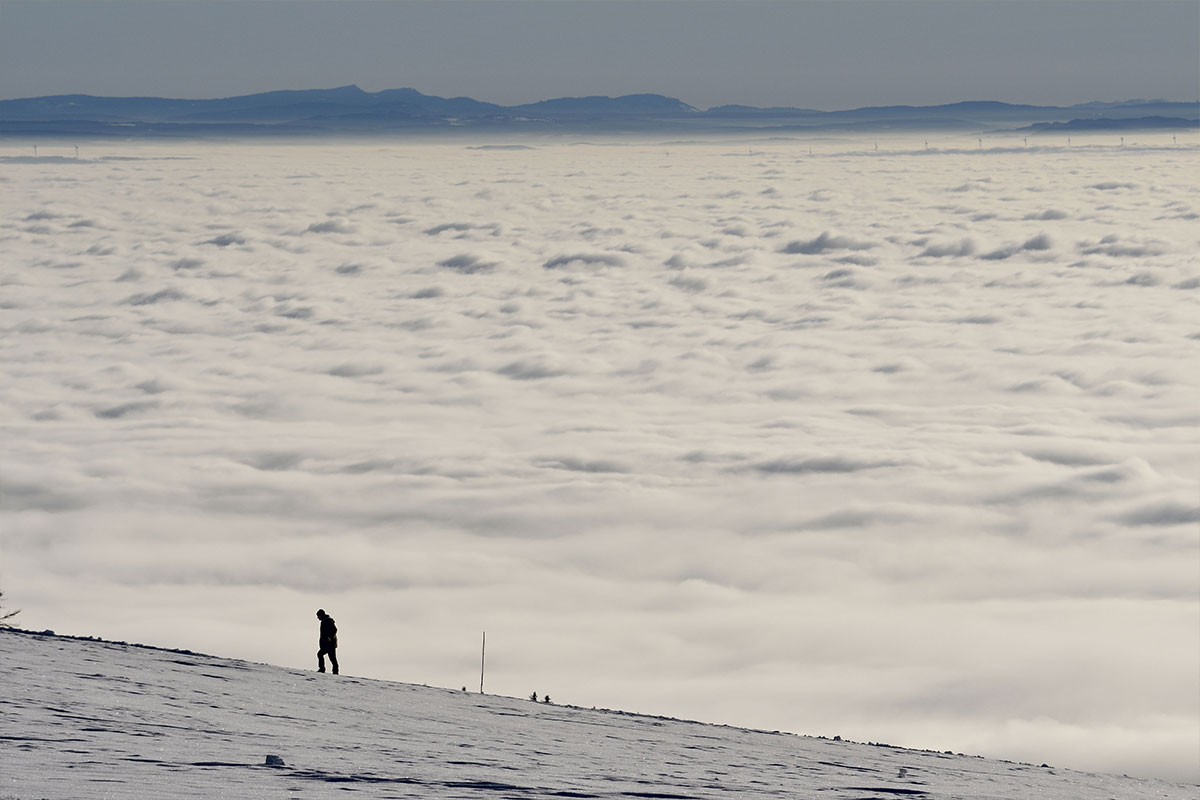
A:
x,y
349,109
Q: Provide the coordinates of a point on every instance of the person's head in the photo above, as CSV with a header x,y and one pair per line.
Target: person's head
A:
x,y
320,613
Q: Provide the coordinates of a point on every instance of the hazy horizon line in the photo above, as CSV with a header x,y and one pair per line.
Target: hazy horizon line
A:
x,y
700,109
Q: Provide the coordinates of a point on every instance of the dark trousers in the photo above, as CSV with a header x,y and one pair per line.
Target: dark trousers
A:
x,y
332,653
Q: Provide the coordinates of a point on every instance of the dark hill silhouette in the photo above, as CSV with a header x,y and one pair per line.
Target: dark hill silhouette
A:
x,y
349,109
1109,124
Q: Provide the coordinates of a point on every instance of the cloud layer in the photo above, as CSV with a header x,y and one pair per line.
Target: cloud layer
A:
x,y
885,444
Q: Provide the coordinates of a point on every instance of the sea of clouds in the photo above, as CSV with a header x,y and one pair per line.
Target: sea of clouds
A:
x,y
895,444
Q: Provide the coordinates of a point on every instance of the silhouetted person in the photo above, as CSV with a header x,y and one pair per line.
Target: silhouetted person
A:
x,y
327,642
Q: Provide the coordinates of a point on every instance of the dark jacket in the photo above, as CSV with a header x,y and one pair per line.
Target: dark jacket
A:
x,y
328,633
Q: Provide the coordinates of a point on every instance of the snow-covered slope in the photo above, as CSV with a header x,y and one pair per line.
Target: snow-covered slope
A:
x,y
85,718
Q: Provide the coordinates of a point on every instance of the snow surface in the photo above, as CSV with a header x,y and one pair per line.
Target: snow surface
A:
x,y
894,443
88,718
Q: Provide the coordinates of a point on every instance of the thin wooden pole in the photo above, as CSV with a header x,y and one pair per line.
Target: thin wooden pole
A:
x,y
482,657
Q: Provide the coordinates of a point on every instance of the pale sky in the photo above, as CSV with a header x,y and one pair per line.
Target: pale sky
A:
x,y
808,54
